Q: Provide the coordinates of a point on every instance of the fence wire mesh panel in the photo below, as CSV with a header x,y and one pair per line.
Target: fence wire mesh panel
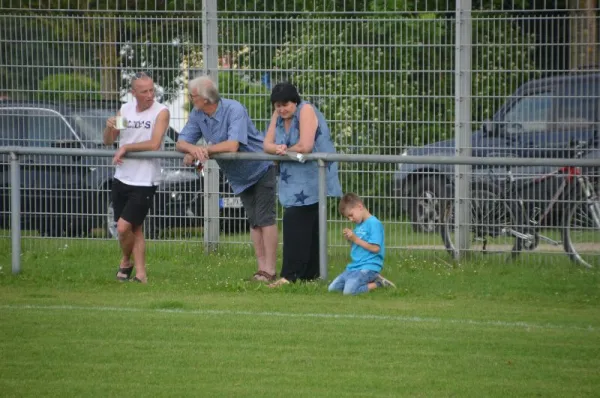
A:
x,y
383,73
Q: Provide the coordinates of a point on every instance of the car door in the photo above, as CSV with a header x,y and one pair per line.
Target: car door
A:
x,y
548,124
576,115
10,135
527,125
51,183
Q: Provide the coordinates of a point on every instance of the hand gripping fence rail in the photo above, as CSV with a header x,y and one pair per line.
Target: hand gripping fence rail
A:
x,y
321,158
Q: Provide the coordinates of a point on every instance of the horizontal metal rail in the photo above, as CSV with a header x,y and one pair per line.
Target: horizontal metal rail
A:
x,y
322,159
326,157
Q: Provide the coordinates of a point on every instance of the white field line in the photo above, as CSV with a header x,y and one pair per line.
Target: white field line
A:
x,y
394,318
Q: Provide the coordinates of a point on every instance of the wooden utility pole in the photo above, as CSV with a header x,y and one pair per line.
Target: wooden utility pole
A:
x,y
585,43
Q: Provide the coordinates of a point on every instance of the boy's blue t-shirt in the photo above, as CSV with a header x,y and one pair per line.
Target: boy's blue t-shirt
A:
x,y
371,231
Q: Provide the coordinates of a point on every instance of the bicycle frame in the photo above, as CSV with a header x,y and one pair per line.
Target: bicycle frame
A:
x,y
570,176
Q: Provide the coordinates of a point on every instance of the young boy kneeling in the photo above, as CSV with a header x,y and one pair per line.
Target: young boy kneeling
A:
x,y
367,252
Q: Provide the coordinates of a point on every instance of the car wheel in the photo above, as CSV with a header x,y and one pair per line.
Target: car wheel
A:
x,y
425,204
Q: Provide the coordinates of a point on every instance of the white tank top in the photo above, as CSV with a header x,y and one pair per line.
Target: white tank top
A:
x,y
139,172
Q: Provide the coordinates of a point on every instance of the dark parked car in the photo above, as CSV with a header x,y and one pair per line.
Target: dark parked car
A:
x,y
542,119
69,195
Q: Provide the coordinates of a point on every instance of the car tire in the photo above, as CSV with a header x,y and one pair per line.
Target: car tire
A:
x,y
424,204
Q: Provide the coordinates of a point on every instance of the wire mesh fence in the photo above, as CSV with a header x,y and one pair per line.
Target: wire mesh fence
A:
x,y
382,72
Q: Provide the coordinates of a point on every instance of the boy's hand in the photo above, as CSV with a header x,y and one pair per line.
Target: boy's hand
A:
x,y
349,235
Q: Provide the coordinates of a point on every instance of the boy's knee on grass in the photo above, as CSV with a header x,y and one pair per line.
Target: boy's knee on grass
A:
x,y
335,287
351,287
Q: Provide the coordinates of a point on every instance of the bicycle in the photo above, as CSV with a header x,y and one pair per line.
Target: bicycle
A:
x,y
501,222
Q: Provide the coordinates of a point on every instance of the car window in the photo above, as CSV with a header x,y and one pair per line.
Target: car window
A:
x,y
90,123
530,114
11,127
576,113
46,128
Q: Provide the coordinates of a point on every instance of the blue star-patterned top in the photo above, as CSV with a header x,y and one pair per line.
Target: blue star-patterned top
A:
x,y
299,182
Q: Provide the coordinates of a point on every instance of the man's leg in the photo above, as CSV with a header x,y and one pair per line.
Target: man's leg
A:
x,y
269,248
265,248
129,227
120,196
258,243
259,203
139,253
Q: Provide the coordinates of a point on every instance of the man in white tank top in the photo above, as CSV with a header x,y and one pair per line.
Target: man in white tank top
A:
x,y
145,124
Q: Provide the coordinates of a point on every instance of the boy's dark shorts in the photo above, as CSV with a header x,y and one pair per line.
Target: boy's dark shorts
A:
x,y
259,200
131,202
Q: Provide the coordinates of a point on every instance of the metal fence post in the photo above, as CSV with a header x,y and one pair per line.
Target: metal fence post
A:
x,y
211,206
210,57
15,210
462,125
322,219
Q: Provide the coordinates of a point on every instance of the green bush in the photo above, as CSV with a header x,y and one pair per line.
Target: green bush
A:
x,y
69,87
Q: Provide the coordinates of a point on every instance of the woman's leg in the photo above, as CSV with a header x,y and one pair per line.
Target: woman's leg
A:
x,y
312,267
297,239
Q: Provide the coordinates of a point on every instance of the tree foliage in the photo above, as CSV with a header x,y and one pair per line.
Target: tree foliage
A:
x,y
385,83
107,42
69,87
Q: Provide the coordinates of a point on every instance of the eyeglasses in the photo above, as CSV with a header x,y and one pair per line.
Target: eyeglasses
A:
x,y
192,96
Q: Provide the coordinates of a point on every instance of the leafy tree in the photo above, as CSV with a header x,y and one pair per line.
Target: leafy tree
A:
x,y
99,39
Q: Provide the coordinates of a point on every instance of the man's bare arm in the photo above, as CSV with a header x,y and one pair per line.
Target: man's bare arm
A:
x,y
110,132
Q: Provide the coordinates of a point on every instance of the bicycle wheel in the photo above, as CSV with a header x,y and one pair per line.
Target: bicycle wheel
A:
x,y
493,220
581,234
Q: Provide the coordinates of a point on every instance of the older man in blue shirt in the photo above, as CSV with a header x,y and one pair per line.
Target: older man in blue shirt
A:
x,y
226,127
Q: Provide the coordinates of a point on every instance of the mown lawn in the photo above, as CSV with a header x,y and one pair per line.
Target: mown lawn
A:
x,y
482,328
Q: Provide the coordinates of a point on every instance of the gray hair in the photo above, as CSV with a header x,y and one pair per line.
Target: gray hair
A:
x,y
205,88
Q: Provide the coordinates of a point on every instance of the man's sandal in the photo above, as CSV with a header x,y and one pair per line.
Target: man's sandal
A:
x,y
262,276
125,271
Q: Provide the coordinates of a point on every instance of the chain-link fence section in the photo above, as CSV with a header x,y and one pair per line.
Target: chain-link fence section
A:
x,y
384,74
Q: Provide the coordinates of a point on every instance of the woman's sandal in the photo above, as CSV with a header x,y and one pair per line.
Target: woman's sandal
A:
x,y
262,276
279,283
125,271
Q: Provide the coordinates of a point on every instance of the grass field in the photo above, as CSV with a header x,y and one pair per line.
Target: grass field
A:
x,y
484,328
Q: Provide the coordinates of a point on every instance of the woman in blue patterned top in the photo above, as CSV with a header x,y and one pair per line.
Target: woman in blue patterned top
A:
x,y
298,126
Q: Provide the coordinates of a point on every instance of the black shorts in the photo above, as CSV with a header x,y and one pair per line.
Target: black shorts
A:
x,y
131,202
259,200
